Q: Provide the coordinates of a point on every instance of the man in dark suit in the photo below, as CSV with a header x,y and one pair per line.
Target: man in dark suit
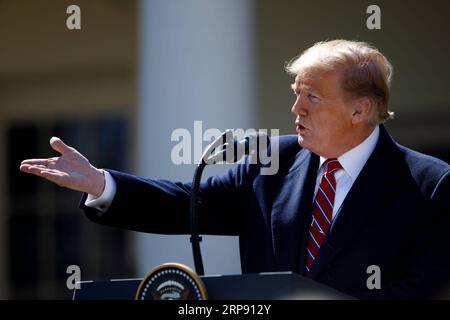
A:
x,y
346,197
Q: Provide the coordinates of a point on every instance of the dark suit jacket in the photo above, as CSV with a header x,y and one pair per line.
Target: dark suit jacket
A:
x,y
396,216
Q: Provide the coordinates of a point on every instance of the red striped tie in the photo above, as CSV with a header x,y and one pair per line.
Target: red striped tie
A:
x,y
322,212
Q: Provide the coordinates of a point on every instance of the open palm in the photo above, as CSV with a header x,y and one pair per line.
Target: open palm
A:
x,y
71,170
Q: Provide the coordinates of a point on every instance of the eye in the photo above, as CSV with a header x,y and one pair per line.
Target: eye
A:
x,y
313,98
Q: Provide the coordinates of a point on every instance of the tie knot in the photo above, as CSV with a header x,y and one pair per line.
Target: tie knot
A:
x,y
332,165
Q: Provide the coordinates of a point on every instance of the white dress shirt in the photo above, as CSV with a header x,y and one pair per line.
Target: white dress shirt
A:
x,y
352,163
103,202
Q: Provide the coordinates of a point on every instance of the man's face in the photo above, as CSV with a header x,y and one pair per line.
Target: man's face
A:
x,y
323,118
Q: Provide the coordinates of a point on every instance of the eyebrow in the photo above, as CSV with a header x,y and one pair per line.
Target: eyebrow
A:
x,y
306,87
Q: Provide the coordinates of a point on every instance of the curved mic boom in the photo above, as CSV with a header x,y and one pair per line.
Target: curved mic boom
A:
x,y
230,151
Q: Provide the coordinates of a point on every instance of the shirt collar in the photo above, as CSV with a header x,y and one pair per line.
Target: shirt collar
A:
x,y
354,160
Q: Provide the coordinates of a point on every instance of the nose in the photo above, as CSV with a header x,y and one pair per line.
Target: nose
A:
x,y
299,107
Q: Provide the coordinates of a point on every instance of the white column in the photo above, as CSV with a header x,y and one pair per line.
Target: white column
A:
x,y
196,62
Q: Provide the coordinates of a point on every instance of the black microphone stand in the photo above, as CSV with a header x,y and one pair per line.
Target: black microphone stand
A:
x,y
226,141
195,238
224,138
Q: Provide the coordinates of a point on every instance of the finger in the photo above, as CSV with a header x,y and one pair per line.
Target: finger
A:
x,y
54,176
58,145
39,161
25,167
32,169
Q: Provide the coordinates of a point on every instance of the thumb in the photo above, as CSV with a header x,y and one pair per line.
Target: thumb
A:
x,y
58,145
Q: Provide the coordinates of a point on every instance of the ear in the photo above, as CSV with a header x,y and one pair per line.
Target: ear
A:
x,y
361,108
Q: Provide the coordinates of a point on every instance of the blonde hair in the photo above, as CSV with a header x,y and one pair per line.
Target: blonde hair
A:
x,y
365,72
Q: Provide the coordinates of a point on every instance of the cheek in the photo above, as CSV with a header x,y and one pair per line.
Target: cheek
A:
x,y
340,122
331,127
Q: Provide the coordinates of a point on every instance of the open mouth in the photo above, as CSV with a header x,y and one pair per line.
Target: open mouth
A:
x,y
300,128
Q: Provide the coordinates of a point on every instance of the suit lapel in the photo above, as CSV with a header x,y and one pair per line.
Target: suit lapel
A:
x,y
363,199
291,208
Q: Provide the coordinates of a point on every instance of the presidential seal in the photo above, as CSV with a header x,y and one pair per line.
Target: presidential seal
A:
x,y
171,281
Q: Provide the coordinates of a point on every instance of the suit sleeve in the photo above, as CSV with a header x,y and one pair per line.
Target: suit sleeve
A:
x,y
161,206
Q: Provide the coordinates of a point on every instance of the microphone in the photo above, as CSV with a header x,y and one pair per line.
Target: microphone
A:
x,y
230,150
253,143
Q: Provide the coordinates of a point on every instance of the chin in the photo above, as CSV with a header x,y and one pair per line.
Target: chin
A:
x,y
302,142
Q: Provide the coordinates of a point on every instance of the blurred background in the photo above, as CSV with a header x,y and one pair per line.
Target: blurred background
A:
x,y
137,70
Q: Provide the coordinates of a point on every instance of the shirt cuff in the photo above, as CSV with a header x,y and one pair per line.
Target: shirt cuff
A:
x,y
103,202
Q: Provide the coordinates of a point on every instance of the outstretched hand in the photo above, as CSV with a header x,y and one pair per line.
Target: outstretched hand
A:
x,y
71,169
